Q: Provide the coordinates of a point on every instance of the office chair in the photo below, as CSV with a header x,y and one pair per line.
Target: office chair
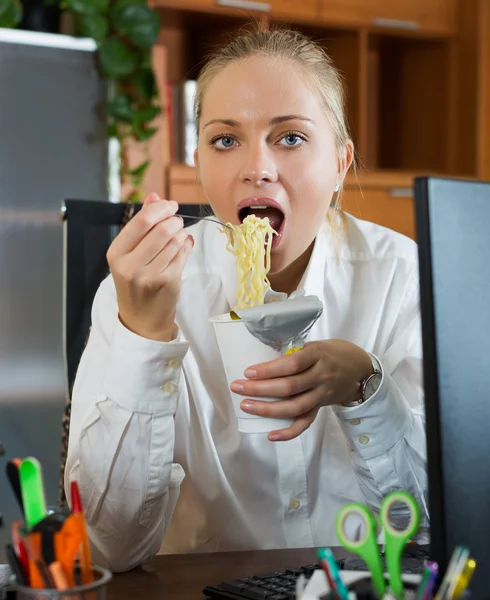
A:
x,y
89,228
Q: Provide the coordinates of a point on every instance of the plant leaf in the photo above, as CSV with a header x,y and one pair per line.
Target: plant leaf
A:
x,y
138,22
140,169
112,130
116,59
87,7
120,108
93,26
144,81
11,16
4,5
142,135
135,196
145,115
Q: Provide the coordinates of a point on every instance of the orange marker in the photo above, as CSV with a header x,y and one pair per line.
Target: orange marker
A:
x,y
58,576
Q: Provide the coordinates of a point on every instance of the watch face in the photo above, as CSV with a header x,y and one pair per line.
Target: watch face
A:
x,y
372,385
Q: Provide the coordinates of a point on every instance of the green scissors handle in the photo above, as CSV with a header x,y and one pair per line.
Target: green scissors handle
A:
x,y
366,547
396,539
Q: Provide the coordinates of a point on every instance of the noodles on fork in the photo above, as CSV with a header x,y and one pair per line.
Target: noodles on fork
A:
x,y
251,243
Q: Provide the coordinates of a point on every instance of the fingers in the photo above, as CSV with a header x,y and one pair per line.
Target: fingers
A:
x,y
281,387
286,365
176,266
170,230
298,426
173,255
152,213
283,409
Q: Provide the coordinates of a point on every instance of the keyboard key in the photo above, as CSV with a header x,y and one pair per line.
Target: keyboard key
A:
x,y
270,575
235,585
256,593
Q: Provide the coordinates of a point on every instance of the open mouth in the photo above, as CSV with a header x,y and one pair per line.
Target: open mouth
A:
x,y
264,208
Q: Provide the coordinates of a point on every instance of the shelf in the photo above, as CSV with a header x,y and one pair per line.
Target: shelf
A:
x,y
435,19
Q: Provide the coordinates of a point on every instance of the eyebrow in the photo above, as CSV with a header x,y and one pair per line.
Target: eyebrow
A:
x,y
273,121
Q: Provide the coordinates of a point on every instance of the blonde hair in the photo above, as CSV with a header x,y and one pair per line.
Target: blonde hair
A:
x,y
292,45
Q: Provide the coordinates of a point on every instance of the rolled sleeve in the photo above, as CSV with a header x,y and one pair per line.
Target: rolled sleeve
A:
x,y
144,375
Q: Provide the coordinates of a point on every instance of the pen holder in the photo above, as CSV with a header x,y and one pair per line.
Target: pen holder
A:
x,y
93,591
362,589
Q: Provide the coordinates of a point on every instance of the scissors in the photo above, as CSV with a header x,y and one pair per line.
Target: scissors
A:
x,y
395,539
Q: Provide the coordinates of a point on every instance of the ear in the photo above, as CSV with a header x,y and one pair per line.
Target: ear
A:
x,y
196,160
345,159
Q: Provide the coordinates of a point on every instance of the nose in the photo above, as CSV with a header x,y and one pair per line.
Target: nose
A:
x,y
259,168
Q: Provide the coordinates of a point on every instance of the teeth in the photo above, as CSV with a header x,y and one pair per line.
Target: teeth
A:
x,y
255,207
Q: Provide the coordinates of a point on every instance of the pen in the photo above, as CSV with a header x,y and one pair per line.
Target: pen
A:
x,y
339,585
326,569
12,472
84,555
429,579
38,571
464,579
456,565
20,548
58,576
15,565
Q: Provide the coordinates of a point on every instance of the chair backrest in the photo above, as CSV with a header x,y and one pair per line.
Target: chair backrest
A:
x,y
89,228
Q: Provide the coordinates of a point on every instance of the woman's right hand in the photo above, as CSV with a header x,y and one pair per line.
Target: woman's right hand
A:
x,y
146,260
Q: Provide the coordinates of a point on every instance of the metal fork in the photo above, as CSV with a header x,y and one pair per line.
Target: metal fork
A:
x,y
212,220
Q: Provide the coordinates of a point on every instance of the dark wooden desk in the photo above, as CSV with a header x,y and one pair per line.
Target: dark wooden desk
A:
x,y
183,577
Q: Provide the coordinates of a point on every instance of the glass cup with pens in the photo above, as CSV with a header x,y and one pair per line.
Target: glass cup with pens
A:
x,y
50,554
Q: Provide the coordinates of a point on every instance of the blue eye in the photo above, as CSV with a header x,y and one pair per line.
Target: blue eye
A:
x,y
223,142
292,139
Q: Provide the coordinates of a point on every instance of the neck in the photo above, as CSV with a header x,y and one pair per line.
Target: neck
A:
x,y
288,279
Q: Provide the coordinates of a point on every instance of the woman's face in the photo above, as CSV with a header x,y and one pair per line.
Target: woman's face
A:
x,y
265,141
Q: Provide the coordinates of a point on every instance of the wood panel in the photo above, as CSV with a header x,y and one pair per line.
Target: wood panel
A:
x,y
382,207
413,108
435,16
483,106
307,10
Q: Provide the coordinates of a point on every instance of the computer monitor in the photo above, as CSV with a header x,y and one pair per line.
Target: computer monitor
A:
x,y
453,231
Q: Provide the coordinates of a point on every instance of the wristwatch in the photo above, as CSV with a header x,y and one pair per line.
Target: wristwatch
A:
x,y
370,385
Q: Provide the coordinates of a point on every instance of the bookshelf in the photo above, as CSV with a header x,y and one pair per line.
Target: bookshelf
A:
x,y
417,79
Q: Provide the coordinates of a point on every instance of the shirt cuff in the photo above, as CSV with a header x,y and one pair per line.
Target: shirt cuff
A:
x,y
143,375
375,426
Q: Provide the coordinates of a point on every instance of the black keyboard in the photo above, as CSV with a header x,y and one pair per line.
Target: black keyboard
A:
x,y
278,585
281,585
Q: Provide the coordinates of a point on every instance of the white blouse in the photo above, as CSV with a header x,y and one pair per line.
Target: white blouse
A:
x,y
154,443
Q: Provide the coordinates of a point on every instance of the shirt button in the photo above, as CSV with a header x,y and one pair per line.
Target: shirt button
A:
x,y
363,439
169,387
294,504
354,421
174,363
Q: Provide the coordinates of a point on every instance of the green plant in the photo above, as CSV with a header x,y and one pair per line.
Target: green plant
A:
x,y
10,13
125,32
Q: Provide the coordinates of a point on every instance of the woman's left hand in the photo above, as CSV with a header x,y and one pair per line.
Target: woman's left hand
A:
x,y
321,374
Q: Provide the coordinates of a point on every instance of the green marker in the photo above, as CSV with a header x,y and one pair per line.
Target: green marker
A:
x,y
32,487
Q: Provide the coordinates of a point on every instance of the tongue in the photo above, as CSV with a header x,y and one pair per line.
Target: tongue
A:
x,y
275,216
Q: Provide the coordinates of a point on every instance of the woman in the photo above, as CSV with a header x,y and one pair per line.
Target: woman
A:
x,y
152,416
